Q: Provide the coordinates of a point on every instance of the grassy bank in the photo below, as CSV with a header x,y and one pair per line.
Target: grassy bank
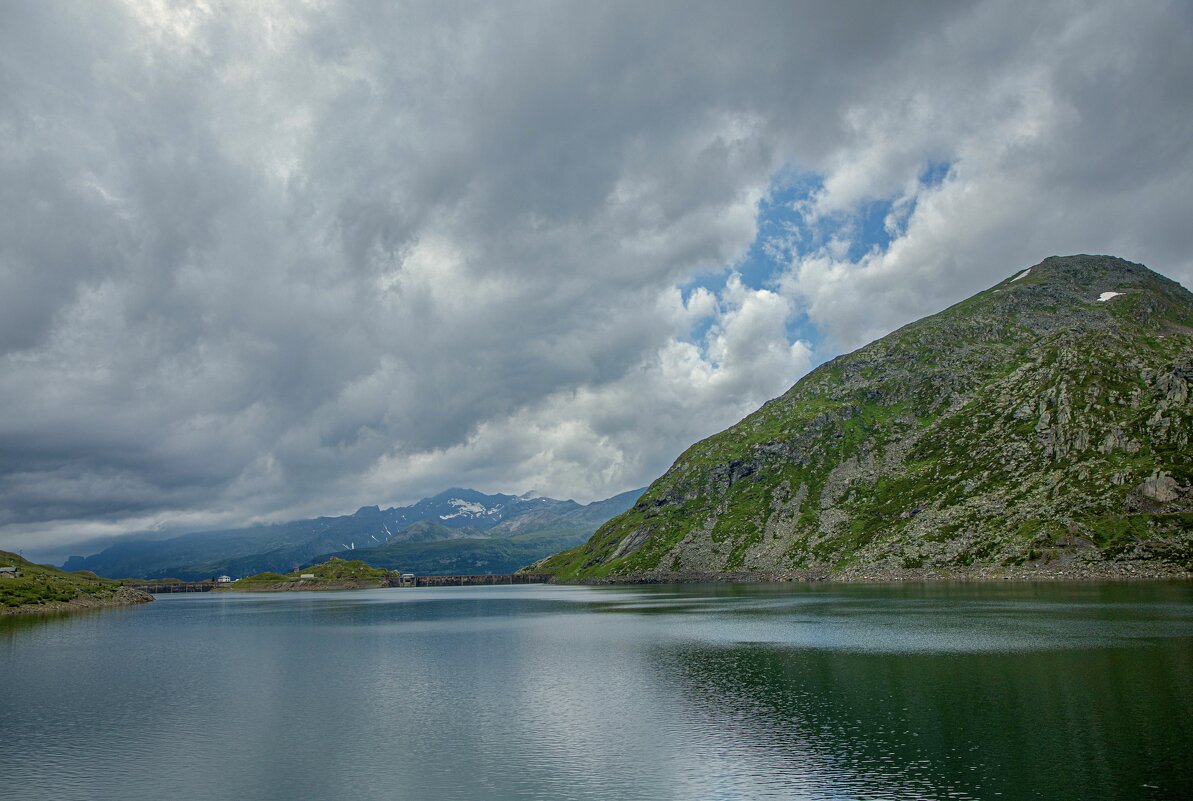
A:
x,y
40,588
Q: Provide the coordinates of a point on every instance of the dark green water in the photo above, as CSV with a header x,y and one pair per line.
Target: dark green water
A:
x,y
939,692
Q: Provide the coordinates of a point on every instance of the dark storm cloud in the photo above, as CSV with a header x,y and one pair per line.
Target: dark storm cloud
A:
x,y
264,261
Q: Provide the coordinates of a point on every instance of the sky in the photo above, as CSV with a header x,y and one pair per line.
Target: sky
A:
x,y
273,260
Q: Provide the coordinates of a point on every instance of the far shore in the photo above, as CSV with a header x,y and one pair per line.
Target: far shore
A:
x,y
301,585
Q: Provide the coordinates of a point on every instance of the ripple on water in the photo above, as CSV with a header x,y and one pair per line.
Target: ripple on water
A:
x,y
609,693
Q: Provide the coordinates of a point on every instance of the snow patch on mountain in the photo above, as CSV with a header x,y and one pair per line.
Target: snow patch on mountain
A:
x,y
467,509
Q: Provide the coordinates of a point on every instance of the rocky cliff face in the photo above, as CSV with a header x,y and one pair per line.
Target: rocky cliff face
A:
x,y
1047,418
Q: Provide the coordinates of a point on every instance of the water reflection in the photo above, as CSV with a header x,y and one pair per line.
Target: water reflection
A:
x,y
1046,724
610,693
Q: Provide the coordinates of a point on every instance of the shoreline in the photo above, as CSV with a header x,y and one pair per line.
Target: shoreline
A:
x,y
305,586
1069,573
124,596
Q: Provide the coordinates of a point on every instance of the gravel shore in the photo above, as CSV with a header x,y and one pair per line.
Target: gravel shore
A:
x,y
1105,571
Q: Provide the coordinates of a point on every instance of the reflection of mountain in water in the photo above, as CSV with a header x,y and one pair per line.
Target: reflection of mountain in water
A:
x,y
1046,724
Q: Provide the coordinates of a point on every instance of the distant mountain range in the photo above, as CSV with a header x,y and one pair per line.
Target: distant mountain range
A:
x,y
460,531
1045,421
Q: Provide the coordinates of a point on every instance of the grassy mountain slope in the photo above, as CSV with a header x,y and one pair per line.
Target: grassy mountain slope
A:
x,y
41,587
1030,422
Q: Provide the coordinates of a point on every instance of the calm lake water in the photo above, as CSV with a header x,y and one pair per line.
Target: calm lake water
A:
x,y
959,692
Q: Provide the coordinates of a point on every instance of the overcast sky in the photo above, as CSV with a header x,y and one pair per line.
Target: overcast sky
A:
x,y
263,261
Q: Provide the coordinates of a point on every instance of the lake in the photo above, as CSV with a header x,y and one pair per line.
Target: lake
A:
x,y
1015,691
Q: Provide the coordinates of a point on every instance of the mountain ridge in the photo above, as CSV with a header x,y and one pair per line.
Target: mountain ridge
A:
x,y
1044,418
511,544
455,515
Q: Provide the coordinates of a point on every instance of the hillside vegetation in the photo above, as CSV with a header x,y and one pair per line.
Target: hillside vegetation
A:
x,y
1045,420
40,587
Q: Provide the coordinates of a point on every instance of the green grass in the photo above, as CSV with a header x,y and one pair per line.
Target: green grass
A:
x,y
41,584
334,571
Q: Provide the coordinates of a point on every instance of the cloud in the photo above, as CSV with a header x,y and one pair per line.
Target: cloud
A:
x,y
1072,146
264,262
595,435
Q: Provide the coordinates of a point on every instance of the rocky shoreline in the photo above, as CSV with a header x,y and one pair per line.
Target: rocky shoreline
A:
x,y
1105,571
125,596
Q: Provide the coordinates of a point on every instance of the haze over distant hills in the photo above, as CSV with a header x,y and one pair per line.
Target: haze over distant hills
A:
x,y
1045,420
456,531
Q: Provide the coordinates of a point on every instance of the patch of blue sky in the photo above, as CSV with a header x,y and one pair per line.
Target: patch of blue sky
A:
x,y
782,230
875,223
784,233
935,173
867,229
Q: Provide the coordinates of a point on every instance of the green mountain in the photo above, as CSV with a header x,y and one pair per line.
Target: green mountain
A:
x,y
1046,420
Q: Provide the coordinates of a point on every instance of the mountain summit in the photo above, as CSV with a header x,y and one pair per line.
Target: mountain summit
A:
x,y
457,531
1044,420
